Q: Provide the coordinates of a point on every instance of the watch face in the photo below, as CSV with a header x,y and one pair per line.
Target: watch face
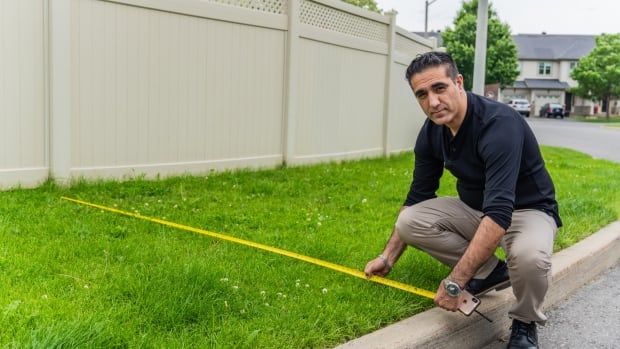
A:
x,y
452,289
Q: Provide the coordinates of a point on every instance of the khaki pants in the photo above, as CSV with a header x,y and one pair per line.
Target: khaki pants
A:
x,y
443,227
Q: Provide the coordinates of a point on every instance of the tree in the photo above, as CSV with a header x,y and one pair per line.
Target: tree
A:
x,y
598,73
366,4
501,61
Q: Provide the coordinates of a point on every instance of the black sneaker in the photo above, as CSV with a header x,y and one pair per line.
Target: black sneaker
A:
x,y
497,280
523,335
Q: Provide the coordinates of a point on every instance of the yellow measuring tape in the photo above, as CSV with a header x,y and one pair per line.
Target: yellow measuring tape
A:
x,y
325,264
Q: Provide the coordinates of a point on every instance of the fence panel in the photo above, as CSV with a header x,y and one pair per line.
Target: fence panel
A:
x,y
22,93
161,92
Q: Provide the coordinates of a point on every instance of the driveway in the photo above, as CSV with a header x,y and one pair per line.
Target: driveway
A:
x,y
590,317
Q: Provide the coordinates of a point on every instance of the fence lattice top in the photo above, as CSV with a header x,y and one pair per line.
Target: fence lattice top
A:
x,y
329,18
271,6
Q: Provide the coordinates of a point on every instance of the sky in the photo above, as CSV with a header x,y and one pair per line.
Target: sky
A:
x,y
589,17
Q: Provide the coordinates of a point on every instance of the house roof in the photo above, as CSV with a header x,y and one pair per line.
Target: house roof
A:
x,y
541,84
433,34
553,47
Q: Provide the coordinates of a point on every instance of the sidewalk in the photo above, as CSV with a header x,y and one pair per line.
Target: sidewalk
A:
x,y
437,328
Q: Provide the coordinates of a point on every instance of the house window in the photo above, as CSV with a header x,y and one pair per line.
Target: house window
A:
x,y
573,64
544,68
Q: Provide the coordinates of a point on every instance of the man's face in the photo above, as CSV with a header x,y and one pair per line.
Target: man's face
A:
x,y
439,96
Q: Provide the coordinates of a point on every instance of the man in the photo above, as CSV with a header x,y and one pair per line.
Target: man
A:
x,y
506,197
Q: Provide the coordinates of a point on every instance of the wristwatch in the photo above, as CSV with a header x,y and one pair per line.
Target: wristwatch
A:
x,y
452,288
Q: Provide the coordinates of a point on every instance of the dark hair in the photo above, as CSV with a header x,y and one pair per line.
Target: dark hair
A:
x,y
431,59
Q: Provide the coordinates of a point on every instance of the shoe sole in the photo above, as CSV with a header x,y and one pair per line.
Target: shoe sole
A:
x,y
496,287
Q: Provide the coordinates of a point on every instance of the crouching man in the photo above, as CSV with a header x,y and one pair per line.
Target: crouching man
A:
x,y
505,197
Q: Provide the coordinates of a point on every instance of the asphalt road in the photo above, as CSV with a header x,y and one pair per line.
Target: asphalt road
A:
x,y
590,318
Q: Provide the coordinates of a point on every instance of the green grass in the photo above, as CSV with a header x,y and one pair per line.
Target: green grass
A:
x,y
73,276
613,119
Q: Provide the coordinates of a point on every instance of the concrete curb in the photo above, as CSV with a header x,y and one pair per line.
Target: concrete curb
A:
x,y
436,328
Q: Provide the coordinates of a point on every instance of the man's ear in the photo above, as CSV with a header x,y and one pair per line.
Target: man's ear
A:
x,y
459,82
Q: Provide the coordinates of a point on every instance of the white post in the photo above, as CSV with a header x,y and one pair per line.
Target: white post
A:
x,y
388,80
60,89
481,47
291,76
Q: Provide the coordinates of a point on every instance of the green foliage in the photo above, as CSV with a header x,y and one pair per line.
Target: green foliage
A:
x,y
77,277
501,57
598,73
370,5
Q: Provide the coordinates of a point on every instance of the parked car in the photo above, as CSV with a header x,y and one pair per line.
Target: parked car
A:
x,y
552,109
520,105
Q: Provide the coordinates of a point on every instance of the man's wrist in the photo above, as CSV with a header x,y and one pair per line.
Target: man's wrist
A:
x,y
457,280
385,261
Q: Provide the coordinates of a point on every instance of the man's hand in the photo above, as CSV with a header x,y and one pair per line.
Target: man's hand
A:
x,y
443,300
377,266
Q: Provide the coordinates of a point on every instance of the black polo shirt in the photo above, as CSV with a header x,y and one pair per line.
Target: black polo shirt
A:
x,y
494,157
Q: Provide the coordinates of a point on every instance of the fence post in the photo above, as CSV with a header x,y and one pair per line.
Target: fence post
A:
x,y
291,76
388,80
59,66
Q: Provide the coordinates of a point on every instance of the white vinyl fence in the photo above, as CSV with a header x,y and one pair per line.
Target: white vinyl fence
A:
x,y
93,88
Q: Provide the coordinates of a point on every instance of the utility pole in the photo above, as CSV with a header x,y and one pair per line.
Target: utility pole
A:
x,y
427,4
481,47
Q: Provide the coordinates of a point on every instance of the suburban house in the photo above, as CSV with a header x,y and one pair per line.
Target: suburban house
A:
x,y
545,64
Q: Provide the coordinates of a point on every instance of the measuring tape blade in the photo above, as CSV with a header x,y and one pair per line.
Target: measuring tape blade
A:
x,y
315,261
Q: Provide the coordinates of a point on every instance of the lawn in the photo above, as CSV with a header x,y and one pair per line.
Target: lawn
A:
x,y
74,276
613,119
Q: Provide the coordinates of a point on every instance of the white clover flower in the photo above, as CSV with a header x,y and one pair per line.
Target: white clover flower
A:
x,y
324,291
262,293
306,285
44,296
279,294
224,279
86,286
364,200
297,284
235,287
175,206
318,224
